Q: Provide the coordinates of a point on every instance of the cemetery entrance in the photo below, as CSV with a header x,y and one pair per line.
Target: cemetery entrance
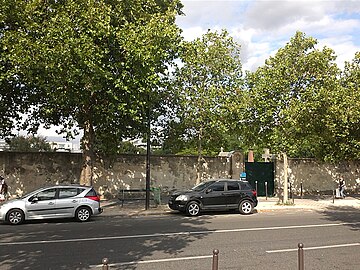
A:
x,y
261,176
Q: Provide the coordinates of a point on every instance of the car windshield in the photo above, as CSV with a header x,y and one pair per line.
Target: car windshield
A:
x,y
202,186
29,193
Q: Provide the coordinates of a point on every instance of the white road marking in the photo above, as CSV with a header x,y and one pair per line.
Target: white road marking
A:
x,y
156,261
313,248
172,234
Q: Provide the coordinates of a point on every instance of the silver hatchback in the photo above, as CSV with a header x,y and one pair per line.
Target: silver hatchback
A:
x,y
70,201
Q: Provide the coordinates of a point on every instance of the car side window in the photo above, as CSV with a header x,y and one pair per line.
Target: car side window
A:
x,y
218,186
232,186
245,186
91,192
48,194
67,192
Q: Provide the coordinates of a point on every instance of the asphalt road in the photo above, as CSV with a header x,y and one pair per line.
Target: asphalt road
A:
x,y
260,241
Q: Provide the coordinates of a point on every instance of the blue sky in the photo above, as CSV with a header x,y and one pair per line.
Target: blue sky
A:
x,y
261,27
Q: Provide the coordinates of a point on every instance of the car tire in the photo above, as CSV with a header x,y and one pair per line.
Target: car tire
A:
x,y
246,207
83,214
193,209
15,217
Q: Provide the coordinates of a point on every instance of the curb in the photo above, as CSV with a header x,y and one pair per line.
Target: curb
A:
x,y
113,208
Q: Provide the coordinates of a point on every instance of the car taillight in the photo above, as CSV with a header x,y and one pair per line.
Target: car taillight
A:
x,y
254,192
94,198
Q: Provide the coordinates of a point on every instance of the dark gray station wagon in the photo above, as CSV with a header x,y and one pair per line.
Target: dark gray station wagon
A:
x,y
222,194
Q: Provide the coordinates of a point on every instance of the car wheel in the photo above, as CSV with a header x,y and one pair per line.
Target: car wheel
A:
x,y
193,209
246,207
83,214
15,217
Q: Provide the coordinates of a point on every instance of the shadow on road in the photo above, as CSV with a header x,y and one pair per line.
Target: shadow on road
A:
x,y
102,239
345,214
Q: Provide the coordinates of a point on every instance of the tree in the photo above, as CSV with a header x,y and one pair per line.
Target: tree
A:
x,y
13,94
344,121
206,84
290,99
95,66
29,144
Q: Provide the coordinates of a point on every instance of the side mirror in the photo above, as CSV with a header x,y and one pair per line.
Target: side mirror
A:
x,y
208,190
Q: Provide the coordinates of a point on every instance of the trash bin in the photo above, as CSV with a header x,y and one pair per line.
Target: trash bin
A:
x,y
156,195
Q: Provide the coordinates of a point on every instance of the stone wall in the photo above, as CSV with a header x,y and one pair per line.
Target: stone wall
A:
x,y
317,177
25,172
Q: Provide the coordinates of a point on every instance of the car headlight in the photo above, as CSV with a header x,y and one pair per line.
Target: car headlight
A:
x,y
183,198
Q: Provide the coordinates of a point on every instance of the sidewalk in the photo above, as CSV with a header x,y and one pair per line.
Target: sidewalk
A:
x,y
137,208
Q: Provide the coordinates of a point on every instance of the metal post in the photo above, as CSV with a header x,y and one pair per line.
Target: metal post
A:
x,y
301,256
148,149
105,265
215,264
286,180
123,197
301,190
256,188
266,190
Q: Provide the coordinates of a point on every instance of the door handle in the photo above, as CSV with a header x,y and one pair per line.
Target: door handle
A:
x,y
74,201
51,203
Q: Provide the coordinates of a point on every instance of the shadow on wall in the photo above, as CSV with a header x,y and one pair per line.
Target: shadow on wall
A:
x,y
25,172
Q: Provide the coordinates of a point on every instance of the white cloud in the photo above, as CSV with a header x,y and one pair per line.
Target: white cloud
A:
x,y
271,15
264,26
344,48
192,33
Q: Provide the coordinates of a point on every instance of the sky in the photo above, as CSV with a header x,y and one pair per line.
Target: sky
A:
x,y
261,27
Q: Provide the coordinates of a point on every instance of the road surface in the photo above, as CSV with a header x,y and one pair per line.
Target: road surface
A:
x,y
260,241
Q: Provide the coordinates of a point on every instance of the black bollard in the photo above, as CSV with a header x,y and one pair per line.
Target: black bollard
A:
x,y
105,262
215,264
301,256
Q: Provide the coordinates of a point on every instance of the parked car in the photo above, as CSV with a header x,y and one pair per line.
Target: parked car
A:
x,y
70,201
222,194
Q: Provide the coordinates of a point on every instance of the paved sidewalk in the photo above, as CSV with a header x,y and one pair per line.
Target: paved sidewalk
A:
x,y
137,208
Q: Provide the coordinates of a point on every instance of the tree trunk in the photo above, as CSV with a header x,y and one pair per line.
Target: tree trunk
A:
x,y
86,177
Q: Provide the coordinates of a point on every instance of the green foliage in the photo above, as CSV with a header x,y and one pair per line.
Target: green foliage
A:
x,y
125,147
291,100
13,94
344,121
95,66
29,144
102,67
205,86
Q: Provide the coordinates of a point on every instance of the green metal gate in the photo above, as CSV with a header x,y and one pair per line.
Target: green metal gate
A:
x,y
261,176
